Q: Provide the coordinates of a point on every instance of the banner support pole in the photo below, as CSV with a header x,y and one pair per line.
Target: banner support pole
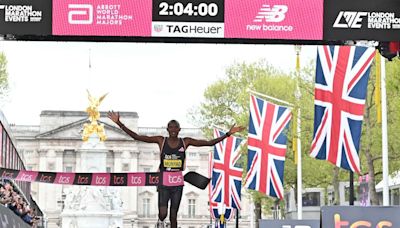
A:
x,y
385,161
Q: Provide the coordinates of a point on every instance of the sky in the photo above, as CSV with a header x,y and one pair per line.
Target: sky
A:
x,y
159,81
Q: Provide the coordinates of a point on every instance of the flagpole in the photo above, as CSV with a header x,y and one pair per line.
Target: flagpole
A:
x,y
299,171
385,163
237,218
351,188
269,97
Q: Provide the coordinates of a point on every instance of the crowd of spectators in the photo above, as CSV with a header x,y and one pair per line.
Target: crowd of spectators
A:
x,y
15,202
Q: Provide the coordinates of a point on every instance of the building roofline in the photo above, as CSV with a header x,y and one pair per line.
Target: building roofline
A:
x,y
83,113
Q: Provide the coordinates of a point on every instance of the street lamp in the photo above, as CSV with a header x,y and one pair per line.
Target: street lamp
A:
x,y
209,209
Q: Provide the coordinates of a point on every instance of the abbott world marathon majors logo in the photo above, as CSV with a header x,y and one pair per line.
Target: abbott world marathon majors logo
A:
x,y
269,18
102,14
375,20
21,13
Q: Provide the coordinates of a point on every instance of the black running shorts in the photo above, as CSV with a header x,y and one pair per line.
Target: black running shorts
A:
x,y
170,193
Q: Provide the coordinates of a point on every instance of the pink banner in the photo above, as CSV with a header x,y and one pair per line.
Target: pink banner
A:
x,y
64,178
274,19
136,179
95,179
102,17
25,175
101,179
173,179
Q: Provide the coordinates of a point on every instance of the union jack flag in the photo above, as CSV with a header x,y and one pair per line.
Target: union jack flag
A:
x,y
226,178
217,209
218,224
266,147
340,89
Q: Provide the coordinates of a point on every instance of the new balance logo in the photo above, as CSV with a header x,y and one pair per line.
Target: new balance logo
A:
x,y
349,19
274,14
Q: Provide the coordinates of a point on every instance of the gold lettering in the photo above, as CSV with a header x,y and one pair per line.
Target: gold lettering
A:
x,y
172,163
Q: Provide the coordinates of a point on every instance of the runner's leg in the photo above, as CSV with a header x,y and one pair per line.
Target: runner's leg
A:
x,y
163,198
176,196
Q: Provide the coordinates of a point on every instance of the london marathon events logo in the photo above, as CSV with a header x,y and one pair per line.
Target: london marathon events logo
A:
x,y
370,20
21,13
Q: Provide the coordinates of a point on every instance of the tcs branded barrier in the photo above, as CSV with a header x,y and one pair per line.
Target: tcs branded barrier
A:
x,y
344,217
95,179
353,216
289,223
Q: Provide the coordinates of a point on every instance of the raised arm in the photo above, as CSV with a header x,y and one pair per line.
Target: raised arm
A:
x,y
114,116
212,142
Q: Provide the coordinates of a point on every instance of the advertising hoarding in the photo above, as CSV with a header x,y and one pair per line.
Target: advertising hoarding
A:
x,y
356,216
24,17
362,20
102,18
289,223
274,19
195,18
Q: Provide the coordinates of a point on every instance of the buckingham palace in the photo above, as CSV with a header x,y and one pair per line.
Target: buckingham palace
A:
x,y
55,145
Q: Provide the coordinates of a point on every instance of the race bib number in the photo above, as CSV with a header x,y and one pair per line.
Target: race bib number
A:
x,y
172,163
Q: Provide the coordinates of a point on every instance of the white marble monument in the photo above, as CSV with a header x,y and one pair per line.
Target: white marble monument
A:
x,y
91,206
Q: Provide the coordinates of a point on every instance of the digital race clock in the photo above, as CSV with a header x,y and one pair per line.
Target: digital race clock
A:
x,y
179,9
188,11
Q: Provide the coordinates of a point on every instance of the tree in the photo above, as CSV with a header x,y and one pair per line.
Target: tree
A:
x,y
4,84
371,146
227,102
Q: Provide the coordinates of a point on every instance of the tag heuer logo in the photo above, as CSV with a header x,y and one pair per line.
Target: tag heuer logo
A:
x,y
158,28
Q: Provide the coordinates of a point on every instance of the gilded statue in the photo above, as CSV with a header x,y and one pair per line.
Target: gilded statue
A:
x,y
93,111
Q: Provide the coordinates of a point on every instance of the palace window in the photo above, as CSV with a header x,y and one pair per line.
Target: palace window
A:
x,y
146,207
192,208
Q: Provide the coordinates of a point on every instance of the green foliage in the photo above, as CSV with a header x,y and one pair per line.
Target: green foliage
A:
x,y
393,102
373,140
227,102
4,85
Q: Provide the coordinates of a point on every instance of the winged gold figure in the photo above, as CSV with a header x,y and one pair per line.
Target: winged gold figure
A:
x,y
94,115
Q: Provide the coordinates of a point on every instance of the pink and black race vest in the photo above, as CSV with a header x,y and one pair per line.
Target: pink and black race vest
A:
x,y
173,159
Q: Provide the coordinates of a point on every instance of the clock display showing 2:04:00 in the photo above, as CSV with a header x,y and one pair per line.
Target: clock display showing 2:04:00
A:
x,y
179,9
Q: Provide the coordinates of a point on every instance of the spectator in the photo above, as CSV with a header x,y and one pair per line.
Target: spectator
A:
x,y
28,217
13,200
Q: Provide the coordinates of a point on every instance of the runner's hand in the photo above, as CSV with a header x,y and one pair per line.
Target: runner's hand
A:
x,y
235,129
114,116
